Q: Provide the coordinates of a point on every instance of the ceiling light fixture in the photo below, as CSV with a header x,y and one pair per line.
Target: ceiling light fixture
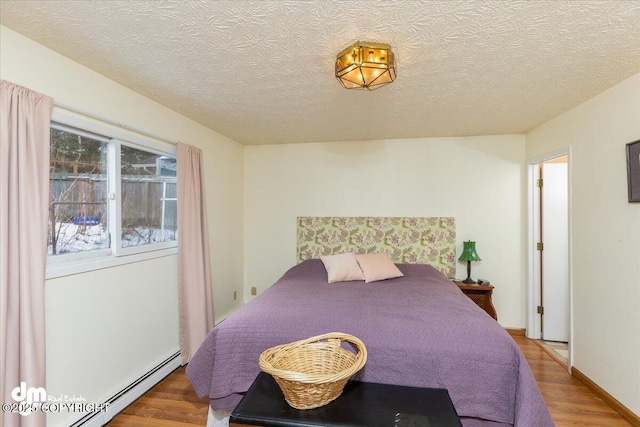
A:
x,y
366,66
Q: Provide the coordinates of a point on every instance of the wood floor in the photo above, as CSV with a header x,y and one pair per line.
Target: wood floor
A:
x,y
569,401
173,403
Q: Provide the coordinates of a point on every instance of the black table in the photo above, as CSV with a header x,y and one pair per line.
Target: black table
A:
x,y
360,405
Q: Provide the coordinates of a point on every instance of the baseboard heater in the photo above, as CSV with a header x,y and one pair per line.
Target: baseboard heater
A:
x,y
129,394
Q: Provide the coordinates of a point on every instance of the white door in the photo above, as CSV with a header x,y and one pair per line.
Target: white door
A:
x,y
555,253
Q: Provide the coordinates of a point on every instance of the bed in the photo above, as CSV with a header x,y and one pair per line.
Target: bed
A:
x,y
419,329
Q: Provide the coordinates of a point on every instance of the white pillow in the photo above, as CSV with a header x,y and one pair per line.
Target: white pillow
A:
x,y
342,268
378,267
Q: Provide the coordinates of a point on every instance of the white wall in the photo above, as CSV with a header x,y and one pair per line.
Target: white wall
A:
x,y
606,235
106,328
477,180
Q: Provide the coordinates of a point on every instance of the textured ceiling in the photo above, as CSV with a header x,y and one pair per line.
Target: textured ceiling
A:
x,y
261,72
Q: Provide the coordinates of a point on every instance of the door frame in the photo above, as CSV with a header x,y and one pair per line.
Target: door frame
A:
x,y
533,262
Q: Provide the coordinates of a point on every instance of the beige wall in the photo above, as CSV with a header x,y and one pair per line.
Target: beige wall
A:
x,y
478,180
606,235
108,327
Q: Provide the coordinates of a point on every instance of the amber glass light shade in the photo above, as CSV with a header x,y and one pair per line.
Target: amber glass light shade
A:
x,y
366,66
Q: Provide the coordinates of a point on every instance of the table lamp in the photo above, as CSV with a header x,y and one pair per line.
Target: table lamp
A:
x,y
469,254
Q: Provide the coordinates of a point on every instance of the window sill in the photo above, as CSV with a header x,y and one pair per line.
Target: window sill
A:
x,y
61,269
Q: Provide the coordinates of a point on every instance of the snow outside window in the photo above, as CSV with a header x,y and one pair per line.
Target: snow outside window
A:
x,y
149,201
108,196
78,220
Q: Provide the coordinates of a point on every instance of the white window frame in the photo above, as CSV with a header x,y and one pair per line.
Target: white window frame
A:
x,y
68,264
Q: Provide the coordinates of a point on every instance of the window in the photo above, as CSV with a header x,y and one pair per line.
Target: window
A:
x,y
149,202
77,194
109,195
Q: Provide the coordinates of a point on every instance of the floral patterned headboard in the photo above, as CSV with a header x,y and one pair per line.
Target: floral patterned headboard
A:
x,y
408,240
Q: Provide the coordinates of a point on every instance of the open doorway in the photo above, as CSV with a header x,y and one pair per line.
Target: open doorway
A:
x,y
549,307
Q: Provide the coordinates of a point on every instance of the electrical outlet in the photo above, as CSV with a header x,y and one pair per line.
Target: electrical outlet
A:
x,y
235,295
254,290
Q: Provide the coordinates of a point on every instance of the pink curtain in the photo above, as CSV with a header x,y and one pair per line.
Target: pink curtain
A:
x,y
25,118
194,265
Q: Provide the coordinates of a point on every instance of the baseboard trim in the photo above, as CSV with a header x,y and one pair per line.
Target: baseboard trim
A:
x,y
624,412
551,354
516,332
129,394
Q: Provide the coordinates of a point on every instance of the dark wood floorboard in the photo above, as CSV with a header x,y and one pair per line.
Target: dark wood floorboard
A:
x,y
173,403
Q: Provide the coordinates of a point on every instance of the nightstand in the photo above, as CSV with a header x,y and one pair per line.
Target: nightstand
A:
x,y
481,295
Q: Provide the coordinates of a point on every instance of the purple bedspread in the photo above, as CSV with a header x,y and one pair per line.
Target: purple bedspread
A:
x,y
420,330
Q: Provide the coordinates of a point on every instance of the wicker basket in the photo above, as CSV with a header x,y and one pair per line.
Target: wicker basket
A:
x,y
313,372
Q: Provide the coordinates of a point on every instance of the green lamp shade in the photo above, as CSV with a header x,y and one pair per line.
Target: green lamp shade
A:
x,y
469,252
